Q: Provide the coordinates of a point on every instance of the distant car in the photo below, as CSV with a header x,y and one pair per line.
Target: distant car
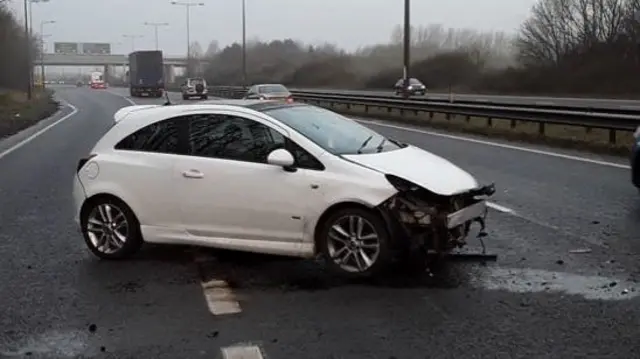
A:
x,y
415,87
195,87
79,84
269,92
635,159
269,177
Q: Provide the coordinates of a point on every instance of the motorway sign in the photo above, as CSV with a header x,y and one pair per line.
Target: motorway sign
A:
x,y
93,48
65,48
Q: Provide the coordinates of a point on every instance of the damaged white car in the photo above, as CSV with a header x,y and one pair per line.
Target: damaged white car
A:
x,y
270,177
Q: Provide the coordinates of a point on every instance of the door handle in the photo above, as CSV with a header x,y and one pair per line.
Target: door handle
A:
x,y
192,174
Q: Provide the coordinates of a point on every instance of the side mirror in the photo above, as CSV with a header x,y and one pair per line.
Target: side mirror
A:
x,y
282,158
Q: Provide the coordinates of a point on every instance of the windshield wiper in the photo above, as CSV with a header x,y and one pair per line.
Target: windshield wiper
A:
x,y
381,144
364,144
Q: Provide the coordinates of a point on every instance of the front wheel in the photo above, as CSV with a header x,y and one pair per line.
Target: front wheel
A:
x,y
355,243
110,229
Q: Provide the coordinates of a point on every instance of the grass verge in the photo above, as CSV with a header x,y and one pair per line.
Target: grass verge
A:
x,y
18,113
572,137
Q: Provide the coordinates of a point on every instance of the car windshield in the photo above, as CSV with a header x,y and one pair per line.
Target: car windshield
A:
x,y
196,81
415,82
333,132
272,89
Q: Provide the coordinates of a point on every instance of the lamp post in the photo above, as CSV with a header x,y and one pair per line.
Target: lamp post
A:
x,y
27,44
407,47
188,6
156,25
42,36
133,40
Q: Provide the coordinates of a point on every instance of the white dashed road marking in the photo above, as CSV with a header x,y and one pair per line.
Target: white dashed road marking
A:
x,y
242,352
220,298
500,208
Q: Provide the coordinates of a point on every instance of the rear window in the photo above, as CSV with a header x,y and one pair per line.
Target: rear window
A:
x,y
197,81
272,89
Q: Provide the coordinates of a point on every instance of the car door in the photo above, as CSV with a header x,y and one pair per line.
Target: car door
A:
x,y
152,152
229,191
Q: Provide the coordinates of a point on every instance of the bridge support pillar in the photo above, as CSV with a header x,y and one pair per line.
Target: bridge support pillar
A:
x,y
106,74
169,74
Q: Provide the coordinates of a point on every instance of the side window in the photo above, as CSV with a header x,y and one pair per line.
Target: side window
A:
x,y
233,138
161,137
303,158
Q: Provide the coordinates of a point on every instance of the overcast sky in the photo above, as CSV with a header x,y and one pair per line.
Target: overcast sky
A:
x,y
347,23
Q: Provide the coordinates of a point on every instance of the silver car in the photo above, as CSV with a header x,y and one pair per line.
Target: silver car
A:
x,y
195,87
269,92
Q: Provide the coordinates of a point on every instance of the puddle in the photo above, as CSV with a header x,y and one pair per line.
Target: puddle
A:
x,y
58,344
535,281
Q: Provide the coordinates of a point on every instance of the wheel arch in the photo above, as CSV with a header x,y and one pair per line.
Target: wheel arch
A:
x,y
85,205
340,206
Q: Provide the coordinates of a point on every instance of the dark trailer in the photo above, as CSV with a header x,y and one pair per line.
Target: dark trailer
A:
x,y
146,73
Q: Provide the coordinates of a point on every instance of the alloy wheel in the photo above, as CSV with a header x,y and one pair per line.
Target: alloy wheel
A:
x,y
107,228
353,243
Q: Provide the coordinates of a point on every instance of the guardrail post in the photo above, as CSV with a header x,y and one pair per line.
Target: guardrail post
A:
x,y
612,137
489,122
513,124
541,128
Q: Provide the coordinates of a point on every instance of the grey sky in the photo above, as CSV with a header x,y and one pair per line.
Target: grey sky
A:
x,y
348,23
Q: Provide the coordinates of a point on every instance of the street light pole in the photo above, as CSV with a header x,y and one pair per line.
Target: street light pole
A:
x,y
42,36
188,6
244,43
27,44
407,46
155,28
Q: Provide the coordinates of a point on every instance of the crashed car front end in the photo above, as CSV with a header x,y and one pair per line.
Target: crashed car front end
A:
x,y
434,223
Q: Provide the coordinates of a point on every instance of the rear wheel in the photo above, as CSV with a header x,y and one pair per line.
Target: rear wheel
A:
x,y
110,229
204,97
185,97
355,243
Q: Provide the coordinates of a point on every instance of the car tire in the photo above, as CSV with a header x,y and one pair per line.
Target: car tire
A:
x,y
116,221
184,97
204,97
342,250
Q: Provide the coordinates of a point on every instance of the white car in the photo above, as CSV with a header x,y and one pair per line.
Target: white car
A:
x,y
269,177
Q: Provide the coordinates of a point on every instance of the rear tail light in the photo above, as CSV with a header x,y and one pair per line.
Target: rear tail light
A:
x,y
289,99
84,161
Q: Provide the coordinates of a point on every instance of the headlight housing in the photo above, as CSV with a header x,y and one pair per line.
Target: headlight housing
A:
x,y
401,184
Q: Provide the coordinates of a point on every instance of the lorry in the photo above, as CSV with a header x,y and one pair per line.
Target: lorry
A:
x,y
97,80
146,73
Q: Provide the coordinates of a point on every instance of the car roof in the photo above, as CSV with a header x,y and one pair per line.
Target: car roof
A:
x,y
147,114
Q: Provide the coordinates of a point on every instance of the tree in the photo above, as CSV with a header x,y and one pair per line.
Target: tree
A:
x,y
212,49
195,50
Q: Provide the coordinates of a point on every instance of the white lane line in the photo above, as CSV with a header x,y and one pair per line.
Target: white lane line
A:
x,y
123,96
501,145
32,137
500,208
242,352
217,294
220,298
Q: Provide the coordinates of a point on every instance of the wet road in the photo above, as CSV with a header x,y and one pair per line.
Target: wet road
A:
x,y
540,300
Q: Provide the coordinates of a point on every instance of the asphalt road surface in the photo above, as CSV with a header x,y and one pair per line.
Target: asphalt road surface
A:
x,y
565,284
523,100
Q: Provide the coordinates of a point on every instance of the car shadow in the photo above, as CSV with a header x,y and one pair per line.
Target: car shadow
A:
x,y
257,271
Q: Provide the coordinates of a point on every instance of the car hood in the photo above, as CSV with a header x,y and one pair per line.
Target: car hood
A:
x,y
423,168
125,111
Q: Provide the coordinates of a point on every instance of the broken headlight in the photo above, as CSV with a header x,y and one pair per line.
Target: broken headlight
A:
x,y
401,184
